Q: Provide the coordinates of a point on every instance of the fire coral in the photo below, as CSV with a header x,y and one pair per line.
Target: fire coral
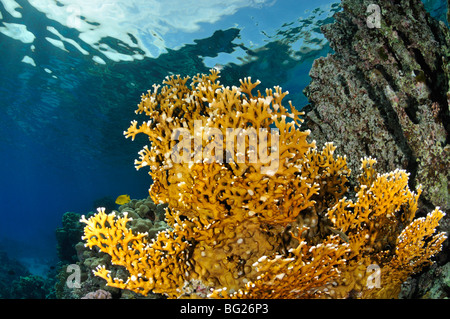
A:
x,y
246,228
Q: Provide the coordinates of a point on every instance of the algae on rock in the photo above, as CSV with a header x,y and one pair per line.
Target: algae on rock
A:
x,y
385,93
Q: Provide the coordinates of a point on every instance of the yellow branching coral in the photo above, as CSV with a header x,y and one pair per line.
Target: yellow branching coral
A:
x,y
254,209
380,207
111,235
381,232
211,124
303,274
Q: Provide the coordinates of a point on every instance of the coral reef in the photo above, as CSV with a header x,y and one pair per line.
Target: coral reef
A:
x,y
67,237
98,294
11,270
17,282
147,217
385,93
432,284
29,287
246,227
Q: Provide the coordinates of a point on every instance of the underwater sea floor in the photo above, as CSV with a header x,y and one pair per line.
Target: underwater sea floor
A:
x,y
36,260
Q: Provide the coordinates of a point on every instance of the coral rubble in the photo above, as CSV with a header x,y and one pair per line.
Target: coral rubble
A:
x,y
385,92
248,226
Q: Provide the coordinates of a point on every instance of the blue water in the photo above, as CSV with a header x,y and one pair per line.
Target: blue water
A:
x,y
72,72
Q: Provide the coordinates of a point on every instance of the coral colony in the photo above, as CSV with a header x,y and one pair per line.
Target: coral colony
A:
x,y
275,218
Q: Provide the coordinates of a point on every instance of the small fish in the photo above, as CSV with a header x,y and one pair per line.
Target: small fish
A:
x,y
218,67
343,236
122,199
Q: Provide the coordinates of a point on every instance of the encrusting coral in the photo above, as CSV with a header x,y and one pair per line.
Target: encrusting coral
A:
x,y
254,209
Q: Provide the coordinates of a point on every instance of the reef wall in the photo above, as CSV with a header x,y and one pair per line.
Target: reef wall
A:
x,y
385,92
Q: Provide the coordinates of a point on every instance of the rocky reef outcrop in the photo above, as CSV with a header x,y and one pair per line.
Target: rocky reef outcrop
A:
x,y
385,92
